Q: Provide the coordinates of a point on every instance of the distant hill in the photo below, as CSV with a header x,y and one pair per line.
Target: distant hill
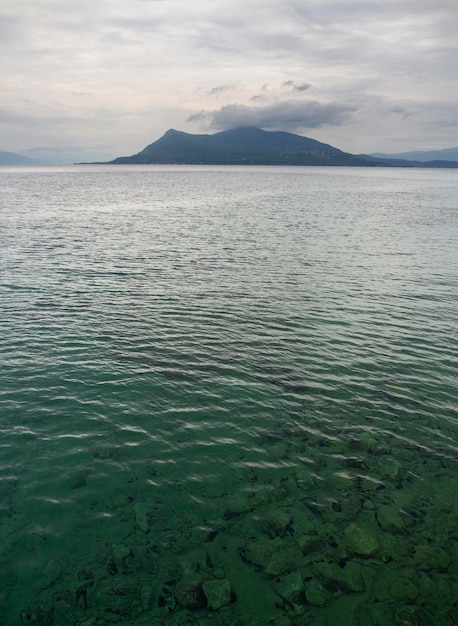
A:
x,y
11,158
242,146
252,146
449,154
65,155
51,156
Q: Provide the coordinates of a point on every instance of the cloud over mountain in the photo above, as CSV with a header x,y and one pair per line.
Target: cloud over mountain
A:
x,y
293,115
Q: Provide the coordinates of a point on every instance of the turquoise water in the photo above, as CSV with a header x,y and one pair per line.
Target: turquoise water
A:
x,y
228,396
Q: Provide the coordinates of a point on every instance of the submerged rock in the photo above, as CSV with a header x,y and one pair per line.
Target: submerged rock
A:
x,y
346,575
166,599
432,558
275,556
141,510
360,542
237,504
316,594
381,614
290,588
389,519
389,467
408,616
37,616
351,506
310,544
189,592
120,551
403,589
217,593
276,523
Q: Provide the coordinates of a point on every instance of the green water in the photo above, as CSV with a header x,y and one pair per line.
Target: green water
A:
x,y
228,396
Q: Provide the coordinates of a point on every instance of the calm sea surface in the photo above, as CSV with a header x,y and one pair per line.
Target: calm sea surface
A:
x,y
228,396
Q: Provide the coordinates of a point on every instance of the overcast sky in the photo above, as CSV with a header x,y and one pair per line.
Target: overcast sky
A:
x,y
112,76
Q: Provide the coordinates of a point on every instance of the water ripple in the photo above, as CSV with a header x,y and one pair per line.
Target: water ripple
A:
x,y
218,350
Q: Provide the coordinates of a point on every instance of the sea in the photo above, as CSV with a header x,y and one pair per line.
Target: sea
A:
x,y
228,396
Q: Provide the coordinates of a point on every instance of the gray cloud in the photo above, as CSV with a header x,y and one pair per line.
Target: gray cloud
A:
x,y
302,87
363,59
293,115
294,86
405,113
215,91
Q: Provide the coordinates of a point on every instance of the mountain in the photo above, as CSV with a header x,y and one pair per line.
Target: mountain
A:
x,y
251,146
11,158
449,154
241,146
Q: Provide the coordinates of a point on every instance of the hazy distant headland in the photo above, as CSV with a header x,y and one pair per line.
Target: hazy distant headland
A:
x,y
253,146
11,158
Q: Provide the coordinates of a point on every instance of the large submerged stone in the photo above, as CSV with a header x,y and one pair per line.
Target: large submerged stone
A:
x,y
275,556
189,592
217,593
346,575
316,594
431,558
389,519
290,588
276,523
360,542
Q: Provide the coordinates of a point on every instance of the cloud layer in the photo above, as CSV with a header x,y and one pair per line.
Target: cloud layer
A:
x,y
292,115
364,76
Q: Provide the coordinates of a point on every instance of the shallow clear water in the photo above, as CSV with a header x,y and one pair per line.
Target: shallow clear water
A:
x,y
228,396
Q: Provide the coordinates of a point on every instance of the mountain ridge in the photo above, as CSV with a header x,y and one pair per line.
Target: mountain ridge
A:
x,y
248,145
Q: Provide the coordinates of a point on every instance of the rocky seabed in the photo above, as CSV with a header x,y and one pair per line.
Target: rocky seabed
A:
x,y
364,534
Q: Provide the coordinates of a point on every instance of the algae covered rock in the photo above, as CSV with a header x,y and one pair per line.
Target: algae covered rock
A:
x,y
259,552
389,519
120,551
310,544
217,593
142,515
275,556
360,542
290,588
403,589
286,557
276,523
351,506
316,594
117,595
389,467
189,592
408,616
346,575
431,558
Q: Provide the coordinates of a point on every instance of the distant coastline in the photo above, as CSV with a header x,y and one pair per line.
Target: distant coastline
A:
x,y
243,146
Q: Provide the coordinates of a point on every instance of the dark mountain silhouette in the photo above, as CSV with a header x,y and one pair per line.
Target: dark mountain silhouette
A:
x,y
241,146
253,146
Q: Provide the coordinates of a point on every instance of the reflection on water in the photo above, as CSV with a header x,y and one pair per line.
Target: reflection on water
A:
x,y
228,396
